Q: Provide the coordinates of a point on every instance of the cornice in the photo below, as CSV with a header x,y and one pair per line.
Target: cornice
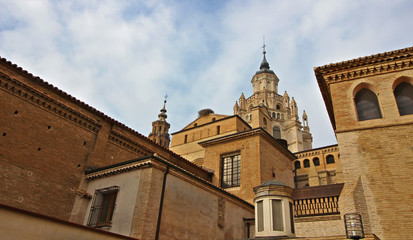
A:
x,y
377,64
370,69
117,170
47,103
126,143
317,152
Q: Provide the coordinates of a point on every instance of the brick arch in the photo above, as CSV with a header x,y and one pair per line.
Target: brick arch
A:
x,y
401,80
362,85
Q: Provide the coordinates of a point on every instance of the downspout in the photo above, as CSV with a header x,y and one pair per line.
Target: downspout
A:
x,y
158,225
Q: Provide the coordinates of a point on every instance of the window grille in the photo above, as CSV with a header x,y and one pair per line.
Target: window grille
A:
x,y
102,208
231,171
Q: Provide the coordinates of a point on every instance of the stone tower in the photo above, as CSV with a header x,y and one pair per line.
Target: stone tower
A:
x,y
278,114
160,129
370,104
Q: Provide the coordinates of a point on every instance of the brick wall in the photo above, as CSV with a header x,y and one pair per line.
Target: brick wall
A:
x,y
48,139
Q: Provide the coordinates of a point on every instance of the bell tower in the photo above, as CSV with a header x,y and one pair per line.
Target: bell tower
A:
x,y
160,129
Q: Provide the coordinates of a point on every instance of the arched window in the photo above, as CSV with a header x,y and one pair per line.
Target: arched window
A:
x,y
273,115
282,116
297,165
278,106
276,132
316,161
195,124
404,98
213,119
306,163
330,159
278,115
264,121
367,105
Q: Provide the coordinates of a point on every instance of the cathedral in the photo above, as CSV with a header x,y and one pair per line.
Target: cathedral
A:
x,y
280,116
68,171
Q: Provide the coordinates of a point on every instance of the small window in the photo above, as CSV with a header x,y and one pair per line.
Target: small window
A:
x,y
316,161
297,165
218,129
102,208
260,216
330,159
278,115
231,171
367,105
404,98
186,139
273,115
278,106
291,217
306,163
277,215
195,124
276,132
213,119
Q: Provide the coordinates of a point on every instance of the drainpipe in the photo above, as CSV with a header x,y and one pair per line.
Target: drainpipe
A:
x,y
158,225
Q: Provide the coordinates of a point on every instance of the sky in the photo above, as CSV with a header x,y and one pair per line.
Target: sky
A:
x,y
122,57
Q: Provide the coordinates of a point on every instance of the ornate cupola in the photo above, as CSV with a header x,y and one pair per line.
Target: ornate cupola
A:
x,y
265,81
160,129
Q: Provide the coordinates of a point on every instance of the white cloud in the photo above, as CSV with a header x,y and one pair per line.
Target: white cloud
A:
x,y
122,57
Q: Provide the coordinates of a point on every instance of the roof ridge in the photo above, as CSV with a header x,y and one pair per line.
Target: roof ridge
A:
x,y
360,59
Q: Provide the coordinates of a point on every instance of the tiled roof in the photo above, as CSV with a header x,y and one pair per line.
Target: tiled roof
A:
x,y
333,190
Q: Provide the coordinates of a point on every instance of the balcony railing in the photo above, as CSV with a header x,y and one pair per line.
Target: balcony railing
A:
x,y
316,206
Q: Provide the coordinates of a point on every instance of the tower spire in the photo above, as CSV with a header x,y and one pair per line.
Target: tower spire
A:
x,y
162,116
160,128
265,66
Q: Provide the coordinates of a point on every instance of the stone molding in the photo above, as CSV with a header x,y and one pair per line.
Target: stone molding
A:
x,y
47,103
117,170
124,142
378,64
317,152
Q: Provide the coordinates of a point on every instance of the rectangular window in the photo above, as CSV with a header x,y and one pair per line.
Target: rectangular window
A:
x,y
218,129
260,216
292,217
231,171
277,217
102,208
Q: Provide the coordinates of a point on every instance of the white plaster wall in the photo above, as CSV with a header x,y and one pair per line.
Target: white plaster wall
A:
x,y
125,201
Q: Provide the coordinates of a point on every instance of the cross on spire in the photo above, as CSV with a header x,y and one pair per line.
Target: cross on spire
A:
x,y
263,45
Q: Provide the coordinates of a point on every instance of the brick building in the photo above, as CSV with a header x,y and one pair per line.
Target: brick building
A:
x,y
65,161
